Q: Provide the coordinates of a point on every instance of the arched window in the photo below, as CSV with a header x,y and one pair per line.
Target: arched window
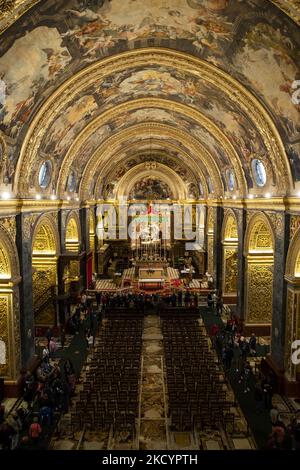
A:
x,y
71,183
45,174
230,180
259,172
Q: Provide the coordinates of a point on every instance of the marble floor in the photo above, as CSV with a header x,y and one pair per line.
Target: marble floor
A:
x,y
152,423
152,419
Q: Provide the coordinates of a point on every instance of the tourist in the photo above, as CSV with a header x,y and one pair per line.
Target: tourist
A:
x,y
252,344
35,430
52,347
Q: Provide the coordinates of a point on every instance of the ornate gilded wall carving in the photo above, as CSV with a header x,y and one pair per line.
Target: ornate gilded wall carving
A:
x,y
260,293
4,264
277,220
294,225
261,238
28,223
9,223
231,271
43,279
4,336
210,254
231,230
44,240
74,270
16,330
289,332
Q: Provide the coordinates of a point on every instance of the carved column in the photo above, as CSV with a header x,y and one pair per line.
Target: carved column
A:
x,y
241,224
85,244
280,222
210,223
24,224
292,328
218,251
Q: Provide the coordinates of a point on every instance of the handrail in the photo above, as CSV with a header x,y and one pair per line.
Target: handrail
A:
x,y
46,295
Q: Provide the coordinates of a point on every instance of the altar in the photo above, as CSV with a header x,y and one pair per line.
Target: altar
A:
x,y
151,278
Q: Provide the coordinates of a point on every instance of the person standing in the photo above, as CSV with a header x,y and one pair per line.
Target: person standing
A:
x,y
35,430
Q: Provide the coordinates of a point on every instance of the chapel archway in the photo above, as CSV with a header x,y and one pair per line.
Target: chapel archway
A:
x,y
10,351
292,321
259,253
45,249
230,255
71,257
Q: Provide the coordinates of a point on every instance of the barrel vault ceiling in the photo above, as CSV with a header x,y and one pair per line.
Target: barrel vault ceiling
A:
x,y
198,87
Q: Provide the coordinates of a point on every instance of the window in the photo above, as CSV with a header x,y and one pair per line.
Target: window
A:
x,y
71,184
45,174
230,180
259,172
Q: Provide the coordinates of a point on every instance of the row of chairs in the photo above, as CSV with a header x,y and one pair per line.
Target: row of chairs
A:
x,y
109,395
196,394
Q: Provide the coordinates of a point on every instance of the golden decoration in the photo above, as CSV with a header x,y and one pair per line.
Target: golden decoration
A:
x,y
9,223
44,240
260,293
5,271
210,253
230,271
4,334
28,223
72,233
294,225
292,268
12,10
290,7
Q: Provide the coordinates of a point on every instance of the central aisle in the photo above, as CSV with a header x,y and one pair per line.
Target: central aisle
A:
x,y
152,416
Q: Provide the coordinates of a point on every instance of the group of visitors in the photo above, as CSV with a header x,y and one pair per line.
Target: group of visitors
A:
x,y
284,436
45,391
215,301
144,301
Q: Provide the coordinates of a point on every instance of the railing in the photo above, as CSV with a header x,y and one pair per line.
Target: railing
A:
x,y
44,299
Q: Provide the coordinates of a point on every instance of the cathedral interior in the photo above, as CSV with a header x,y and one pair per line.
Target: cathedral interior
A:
x,y
149,224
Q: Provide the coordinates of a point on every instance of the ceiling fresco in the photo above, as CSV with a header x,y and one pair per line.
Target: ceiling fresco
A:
x,y
252,40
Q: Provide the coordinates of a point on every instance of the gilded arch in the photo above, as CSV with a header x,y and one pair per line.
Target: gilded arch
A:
x,y
45,238
72,232
157,103
160,147
112,145
162,172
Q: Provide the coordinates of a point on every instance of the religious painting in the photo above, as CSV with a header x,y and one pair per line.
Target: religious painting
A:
x,y
150,188
247,39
